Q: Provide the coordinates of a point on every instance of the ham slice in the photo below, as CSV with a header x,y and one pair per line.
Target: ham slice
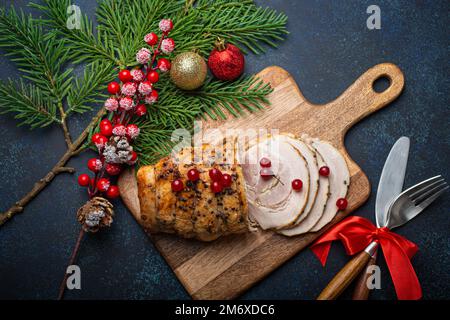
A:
x,y
273,203
310,156
318,206
339,180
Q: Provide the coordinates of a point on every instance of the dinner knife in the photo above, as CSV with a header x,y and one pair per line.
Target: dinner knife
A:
x,y
390,185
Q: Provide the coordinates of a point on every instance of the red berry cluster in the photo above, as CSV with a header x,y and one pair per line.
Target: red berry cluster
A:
x,y
128,100
219,180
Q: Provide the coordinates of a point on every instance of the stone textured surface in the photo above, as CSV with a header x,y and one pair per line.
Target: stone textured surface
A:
x,y
328,48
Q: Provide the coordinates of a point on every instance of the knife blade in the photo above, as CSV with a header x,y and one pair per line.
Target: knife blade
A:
x,y
389,187
391,180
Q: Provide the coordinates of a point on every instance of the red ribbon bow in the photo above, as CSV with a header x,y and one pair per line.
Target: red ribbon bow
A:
x,y
356,233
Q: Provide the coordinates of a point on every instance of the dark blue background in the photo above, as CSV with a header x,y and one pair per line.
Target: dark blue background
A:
x,y
328,48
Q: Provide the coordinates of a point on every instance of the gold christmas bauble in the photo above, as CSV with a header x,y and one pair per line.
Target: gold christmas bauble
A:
x,y
188,71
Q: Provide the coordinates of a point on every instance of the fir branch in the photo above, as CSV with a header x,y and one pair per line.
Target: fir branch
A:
x,y
29,104
38,55
84,92
246,93
241,23
84,44
153,143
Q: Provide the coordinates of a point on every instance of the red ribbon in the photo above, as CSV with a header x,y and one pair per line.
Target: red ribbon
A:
x,y
356,233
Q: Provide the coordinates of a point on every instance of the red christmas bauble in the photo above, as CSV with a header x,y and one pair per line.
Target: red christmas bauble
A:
x,y
226,61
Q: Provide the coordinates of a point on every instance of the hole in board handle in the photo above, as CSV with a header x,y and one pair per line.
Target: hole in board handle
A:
x,y
381,84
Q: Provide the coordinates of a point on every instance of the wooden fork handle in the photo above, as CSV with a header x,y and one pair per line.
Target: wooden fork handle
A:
x,y
361,290
347,274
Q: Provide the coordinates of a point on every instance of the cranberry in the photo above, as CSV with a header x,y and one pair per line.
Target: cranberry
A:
x,y
342,203
324,171
177,185
215,174
297,184
216,187
193,175
265,162
226,180
266,173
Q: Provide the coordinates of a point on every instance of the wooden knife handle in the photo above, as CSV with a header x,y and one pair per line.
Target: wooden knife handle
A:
x,y
344,277
361,291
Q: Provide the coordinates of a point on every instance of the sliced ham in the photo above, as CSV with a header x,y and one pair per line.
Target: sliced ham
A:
x,y
339,180
272,203
310,156
318,206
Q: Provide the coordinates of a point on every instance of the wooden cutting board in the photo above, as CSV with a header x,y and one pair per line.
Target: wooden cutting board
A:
x,y
224,269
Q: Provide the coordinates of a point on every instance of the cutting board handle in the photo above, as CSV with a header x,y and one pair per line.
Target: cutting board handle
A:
x,y
360,99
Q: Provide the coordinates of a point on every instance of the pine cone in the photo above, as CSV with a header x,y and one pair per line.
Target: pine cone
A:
x,y
118,150
95,214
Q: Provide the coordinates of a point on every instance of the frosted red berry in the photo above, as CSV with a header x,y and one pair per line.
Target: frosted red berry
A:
x,y
153,76
84,180
177,185
99,140
342,203
265,162
193,175
215,174
140,110
113,169
163,65
125,75
216,187
103,184
324,171
151,38
94,164
227,180
113,192
113,87
297,184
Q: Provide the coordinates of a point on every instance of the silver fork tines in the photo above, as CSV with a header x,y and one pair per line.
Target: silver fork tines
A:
x,y
414,200
419,188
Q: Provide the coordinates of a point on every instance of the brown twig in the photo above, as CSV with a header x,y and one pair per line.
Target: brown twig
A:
x,y
64,126
59,167
73,257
